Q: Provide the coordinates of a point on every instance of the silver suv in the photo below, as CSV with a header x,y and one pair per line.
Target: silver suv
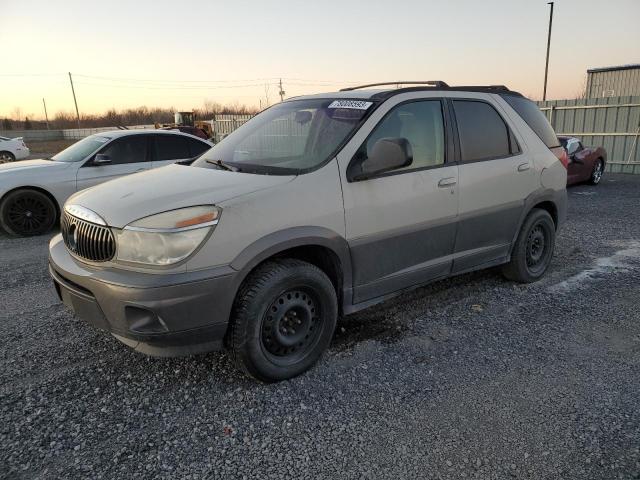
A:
x,y
319,206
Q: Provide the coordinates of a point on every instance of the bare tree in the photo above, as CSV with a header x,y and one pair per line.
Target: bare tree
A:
x,y
582,93
266,95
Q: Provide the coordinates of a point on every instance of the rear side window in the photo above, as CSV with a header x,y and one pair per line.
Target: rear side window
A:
x,y
171,147
536,120
483,133
196,147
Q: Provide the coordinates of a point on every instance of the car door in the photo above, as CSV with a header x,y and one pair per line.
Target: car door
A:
x,y
495,177
580,161
400,225
128,154
574,168
171,148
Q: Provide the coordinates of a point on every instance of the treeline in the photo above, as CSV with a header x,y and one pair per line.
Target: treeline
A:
x,y
114,118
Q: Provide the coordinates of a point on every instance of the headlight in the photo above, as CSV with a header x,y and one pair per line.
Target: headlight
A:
x,y
166,238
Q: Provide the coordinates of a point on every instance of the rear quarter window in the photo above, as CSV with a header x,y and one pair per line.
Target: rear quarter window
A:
x,y
533,117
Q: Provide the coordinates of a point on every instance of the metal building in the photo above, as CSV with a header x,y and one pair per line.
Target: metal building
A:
x,y
623,80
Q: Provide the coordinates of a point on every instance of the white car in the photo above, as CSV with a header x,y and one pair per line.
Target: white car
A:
x,y
12,149
32,192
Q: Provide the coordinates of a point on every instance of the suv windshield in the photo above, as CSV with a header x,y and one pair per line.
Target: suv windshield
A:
x,y
79,150
289,138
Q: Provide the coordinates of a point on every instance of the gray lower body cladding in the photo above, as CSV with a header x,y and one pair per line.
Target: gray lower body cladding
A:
x,y
161,315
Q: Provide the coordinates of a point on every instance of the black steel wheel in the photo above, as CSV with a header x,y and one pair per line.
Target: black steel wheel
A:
x,y
283,319
291,325
596,174
27,212
533,250
7,157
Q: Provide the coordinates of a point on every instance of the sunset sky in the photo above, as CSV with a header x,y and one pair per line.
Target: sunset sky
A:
x,y
180,54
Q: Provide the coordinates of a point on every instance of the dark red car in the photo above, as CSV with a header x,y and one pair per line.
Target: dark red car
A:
x,y
586,164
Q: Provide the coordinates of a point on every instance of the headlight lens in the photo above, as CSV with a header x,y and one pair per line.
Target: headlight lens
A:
x,y
166,238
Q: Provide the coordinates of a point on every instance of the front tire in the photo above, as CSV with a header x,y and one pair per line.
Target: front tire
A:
x,y
283,319
26,213
533,249
596,174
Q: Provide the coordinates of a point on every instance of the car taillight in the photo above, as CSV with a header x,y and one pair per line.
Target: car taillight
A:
x,y
561,154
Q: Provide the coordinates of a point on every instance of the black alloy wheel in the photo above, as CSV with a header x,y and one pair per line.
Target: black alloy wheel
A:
x,y
27,213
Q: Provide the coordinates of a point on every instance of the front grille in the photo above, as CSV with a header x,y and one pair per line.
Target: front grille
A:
x,y
87,240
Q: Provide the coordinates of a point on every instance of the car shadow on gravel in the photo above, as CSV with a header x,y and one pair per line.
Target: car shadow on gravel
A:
x,y
392,320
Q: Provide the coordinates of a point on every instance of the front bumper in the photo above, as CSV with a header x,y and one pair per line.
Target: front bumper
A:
x,y
163,315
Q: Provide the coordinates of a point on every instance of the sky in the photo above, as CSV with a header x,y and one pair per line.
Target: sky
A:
x,y
180,54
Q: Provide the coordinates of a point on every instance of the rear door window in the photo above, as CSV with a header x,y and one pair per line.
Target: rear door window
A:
x,y
536,120
171,147
482,131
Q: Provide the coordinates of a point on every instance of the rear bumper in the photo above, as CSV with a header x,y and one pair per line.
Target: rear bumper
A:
x,y
22,153
163,315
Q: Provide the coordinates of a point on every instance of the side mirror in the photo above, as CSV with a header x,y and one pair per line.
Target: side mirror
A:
x,y
101,159
387,154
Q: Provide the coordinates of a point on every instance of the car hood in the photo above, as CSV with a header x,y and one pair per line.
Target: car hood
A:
x,y
124,200
23,165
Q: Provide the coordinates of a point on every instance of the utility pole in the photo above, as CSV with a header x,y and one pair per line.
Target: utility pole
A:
x,y
46,117
546,67
281,91
74,99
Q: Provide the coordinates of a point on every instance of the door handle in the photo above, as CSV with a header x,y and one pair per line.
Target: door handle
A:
x,y
447,182
523,167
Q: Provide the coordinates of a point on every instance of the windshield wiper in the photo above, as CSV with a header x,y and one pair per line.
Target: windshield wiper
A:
x,y
223,165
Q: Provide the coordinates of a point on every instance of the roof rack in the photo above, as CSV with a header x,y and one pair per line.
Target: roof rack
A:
x,y
433,83
500,88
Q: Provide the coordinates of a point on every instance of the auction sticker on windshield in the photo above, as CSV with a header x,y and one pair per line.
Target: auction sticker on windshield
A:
x,y
353,104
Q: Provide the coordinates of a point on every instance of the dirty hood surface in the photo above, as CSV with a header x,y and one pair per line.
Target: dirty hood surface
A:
x,y
124,200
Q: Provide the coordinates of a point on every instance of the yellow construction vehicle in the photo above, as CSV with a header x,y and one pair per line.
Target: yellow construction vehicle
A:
x,y
186,122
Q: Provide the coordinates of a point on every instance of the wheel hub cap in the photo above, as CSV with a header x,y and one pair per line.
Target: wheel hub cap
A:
x,y
535,246
290,322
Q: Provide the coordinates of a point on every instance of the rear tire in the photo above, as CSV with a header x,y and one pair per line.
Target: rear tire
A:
x,y
283,319
25,213
596,174
7,157
533,249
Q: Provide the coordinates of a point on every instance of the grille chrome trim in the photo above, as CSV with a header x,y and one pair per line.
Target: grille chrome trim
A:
x,y
87,240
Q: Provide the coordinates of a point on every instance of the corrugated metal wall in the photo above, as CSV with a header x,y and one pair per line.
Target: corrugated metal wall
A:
x,y
613,83
612,122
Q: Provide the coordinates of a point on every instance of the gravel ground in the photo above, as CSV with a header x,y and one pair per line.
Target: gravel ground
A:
x,y
474,377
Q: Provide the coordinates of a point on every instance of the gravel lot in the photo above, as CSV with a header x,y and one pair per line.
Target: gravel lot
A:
x,y
473,377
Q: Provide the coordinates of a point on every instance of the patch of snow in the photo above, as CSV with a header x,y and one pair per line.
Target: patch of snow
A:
x,y
621,261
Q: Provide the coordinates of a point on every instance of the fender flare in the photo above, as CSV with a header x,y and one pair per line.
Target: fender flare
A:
x,y
557,197
281,240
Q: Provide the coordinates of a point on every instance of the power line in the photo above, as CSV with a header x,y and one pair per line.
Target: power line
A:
x,y
171,87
